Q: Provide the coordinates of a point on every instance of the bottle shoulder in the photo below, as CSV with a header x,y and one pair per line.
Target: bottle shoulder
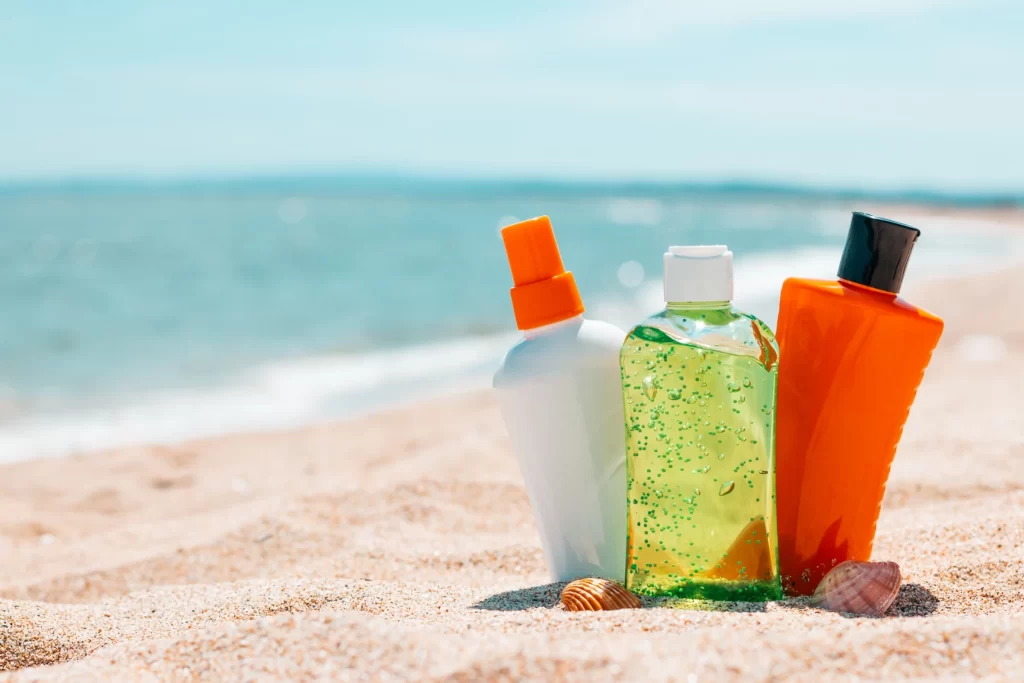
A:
x,y
729,330
833,295
559,350
600,334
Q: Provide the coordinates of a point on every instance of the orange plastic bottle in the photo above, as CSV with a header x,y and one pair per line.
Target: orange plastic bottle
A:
x,y
852,355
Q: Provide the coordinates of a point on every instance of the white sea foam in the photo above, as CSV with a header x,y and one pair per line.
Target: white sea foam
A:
x,y
295,392
276,395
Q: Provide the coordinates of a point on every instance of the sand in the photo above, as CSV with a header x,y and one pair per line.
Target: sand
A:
x,y
400,546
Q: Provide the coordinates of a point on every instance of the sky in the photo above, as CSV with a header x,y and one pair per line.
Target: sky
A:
x,y
887,94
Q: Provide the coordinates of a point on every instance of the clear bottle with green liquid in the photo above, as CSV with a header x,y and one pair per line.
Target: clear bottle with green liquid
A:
x,y
699,385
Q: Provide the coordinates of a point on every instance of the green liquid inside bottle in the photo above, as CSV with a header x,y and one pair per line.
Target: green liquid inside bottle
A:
x,y
699,383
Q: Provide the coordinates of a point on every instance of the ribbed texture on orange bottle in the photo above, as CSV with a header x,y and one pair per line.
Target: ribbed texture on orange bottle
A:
x,y
851,358
545,292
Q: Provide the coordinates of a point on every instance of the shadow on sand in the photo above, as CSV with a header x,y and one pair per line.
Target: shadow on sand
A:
x,y
549,596
525,598
913,600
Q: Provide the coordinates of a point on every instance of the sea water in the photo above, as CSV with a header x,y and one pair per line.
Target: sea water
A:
x,y
146,314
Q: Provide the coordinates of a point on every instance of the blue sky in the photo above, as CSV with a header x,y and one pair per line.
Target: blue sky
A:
x,y
869,94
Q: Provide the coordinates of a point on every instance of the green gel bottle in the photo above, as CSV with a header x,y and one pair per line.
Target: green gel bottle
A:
x,y
699,383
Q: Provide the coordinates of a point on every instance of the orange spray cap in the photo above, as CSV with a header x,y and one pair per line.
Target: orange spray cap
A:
x,y
545,292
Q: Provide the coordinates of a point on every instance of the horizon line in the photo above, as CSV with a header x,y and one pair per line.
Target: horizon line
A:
x,y
387,183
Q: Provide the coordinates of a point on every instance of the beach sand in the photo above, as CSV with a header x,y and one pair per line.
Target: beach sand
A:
x,y
400,546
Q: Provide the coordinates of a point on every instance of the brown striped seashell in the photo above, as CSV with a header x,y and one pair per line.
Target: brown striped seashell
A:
x,y
594,595
864,588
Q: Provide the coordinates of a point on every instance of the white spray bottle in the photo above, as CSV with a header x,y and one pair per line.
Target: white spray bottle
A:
x,y
560,393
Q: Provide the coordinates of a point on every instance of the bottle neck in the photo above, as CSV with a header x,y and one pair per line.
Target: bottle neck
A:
x,y
880,293
534,332
697,305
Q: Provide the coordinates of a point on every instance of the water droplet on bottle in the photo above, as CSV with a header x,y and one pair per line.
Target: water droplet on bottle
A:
x,y
649,365
675,394
650,391
747,382
721,456
703,470
696,492
733,387
727,488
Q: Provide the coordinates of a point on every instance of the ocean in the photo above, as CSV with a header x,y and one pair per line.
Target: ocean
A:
x,y
154,314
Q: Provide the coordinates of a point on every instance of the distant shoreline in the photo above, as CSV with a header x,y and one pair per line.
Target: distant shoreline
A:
x,y
387,186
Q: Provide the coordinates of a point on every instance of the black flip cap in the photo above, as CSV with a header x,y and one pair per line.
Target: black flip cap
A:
x,y
877,252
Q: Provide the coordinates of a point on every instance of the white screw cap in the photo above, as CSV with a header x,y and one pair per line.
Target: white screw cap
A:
x,y
698,273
